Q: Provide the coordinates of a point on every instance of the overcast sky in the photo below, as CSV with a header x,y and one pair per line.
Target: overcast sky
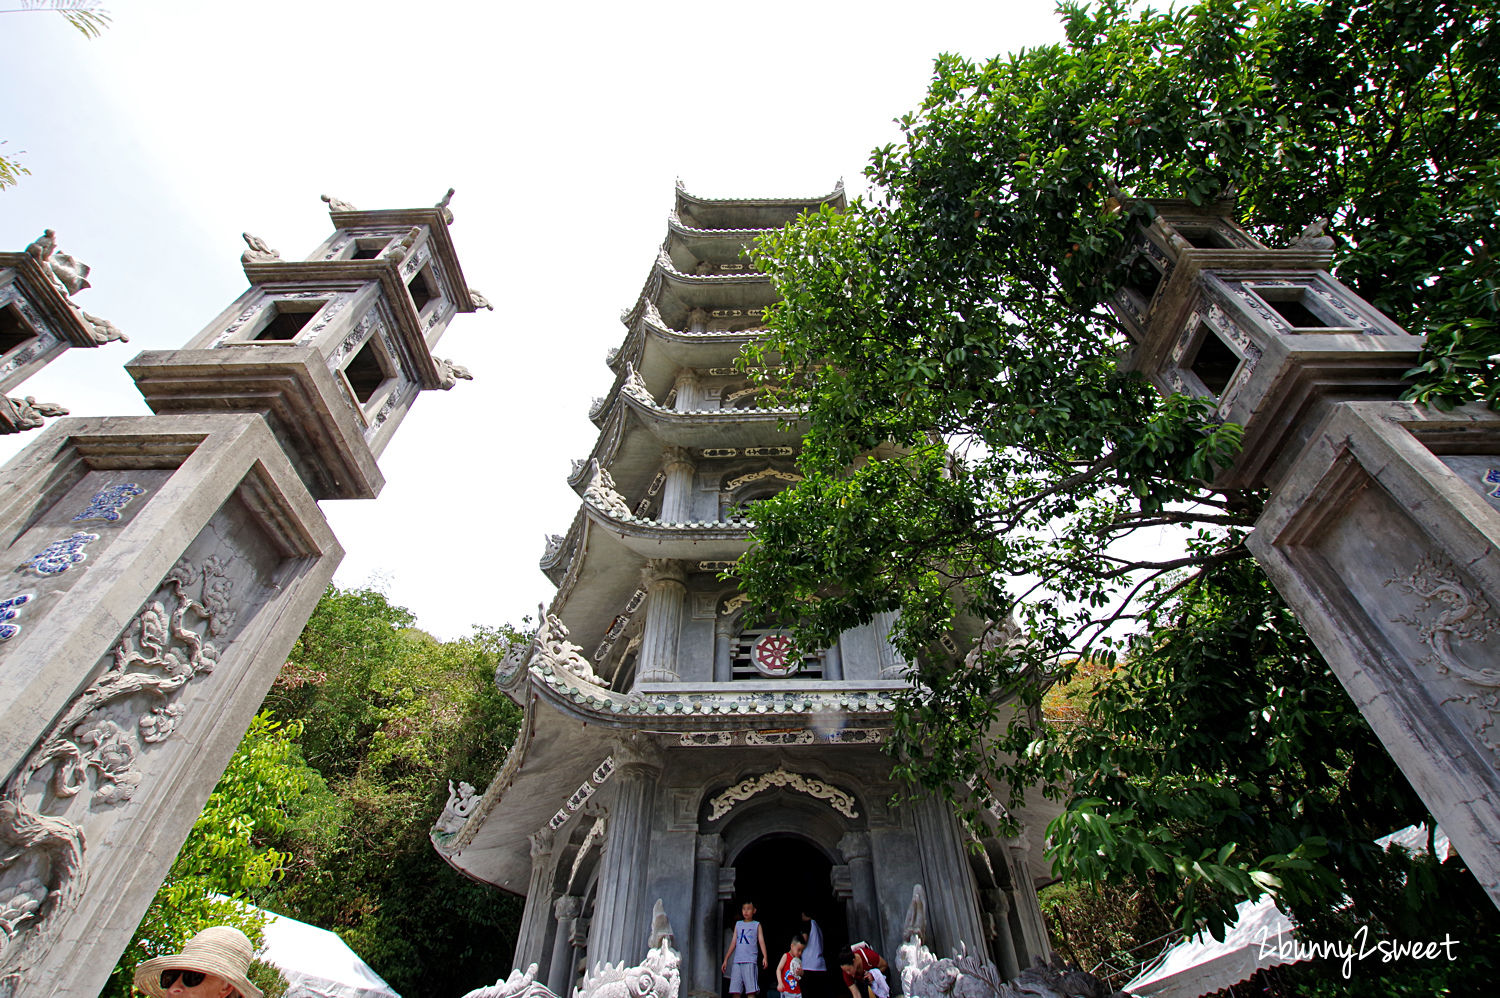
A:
x,y
563,128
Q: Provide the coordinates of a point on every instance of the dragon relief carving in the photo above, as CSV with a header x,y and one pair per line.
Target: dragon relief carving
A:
x,y
1466,616
96,744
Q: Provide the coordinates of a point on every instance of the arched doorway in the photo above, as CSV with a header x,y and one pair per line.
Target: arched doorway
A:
x,y
784,875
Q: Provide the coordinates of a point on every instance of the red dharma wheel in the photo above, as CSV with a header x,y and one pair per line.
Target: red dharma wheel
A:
x,y
773,655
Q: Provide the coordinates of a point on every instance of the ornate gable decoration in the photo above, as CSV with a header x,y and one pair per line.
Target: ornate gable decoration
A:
x,y
837,799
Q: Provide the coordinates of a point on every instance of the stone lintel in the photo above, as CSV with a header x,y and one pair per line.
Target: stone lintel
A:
x,y
291,386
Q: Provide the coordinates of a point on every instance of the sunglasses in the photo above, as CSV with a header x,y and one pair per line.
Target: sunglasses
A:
x,y
190,978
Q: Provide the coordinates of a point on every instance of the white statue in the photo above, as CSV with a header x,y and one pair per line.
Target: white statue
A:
x,y
657,976
517,985
479,300
258,251
334,204
104,330
462,801
450,374
553,648
1313,236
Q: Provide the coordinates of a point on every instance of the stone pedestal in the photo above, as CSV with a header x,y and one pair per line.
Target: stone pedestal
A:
x,y
159,569
1384,539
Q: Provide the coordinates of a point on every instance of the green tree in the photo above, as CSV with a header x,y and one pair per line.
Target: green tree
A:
x,y
976,451
226,859
389,715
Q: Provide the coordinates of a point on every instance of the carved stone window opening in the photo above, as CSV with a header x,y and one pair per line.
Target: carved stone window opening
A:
x,y
369,249
1142,280
370,370
1301,307
284,319
1213,361
1204,236
14,329
423,288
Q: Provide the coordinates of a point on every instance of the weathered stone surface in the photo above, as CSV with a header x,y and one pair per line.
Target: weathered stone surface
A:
x,y
170,562
1385,538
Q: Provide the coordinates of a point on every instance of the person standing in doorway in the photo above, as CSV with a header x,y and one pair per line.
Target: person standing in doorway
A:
x,y
814,961
745,980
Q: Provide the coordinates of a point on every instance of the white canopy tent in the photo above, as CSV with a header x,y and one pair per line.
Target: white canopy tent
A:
x,y
1202,965
317,963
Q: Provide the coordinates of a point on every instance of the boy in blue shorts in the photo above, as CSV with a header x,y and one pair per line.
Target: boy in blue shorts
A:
x,y
747,937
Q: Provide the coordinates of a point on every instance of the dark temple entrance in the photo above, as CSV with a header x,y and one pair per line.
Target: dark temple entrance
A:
x,y
785,875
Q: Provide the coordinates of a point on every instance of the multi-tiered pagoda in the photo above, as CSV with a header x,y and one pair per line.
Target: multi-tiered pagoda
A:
x,y
672,748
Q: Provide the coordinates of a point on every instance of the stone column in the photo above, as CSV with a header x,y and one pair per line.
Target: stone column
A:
x,y
1028,910
621,908
865,904
666,593
1005,948
951,891
677,491
723,663
688,397
560,970
709,856
833,662
534,919
892,665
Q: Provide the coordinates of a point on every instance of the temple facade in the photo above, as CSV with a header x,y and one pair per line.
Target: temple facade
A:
x,y
672,748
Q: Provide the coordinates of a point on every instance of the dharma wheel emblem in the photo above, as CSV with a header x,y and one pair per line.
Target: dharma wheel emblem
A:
x,y
773,655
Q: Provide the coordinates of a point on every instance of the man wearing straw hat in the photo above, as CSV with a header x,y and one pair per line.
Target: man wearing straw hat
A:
x,y
213,964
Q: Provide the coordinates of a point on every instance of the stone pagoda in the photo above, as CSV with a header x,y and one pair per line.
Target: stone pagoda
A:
x,y
672,748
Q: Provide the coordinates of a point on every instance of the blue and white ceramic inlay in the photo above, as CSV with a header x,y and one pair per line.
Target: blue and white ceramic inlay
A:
x,y
1492,477
107,504
59,556
9,608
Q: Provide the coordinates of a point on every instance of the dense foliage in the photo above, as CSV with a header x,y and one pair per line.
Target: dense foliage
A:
x,y
334,807
226,858
957,316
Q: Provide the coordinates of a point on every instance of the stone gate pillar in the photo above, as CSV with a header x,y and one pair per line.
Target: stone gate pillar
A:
x,y
952,905
620,908
1383,529
864,904
157,570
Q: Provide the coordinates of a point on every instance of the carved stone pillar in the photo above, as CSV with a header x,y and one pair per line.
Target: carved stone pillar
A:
x,y
666,593
864,904
677,492
620,906
697,320
187,549
534,919
951,903
688,397
560,970
708,857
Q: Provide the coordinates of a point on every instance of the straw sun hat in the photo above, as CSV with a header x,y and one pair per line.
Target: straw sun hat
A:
x,y
220,950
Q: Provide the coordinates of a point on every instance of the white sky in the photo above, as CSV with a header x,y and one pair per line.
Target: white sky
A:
x,y
563,128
